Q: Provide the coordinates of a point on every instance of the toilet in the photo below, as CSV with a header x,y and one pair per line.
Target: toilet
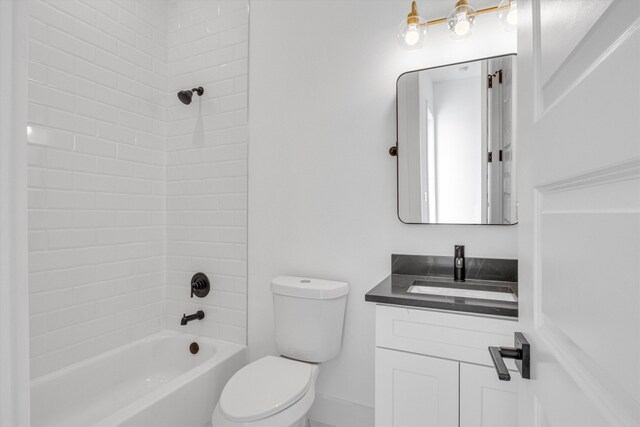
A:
x,y
278,391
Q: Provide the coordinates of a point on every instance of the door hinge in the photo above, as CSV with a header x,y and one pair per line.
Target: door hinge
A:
x,y
500,155
490,77
490,157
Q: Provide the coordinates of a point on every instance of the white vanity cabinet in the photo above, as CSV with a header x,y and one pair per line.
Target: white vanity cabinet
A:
x,y
433,369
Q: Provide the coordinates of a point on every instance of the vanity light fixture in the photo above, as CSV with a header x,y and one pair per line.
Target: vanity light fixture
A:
x,y
412,30
460,20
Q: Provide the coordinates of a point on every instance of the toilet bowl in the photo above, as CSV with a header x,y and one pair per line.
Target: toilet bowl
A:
x,y
279,391
270,392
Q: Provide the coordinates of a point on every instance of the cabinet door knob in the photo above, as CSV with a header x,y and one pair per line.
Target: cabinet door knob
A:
x,y
521,352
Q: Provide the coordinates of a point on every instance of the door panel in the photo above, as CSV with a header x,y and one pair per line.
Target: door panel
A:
x,y
414,390
579,232
485,400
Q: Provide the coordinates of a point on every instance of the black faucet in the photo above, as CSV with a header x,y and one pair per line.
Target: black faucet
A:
x,y
199,315
459,272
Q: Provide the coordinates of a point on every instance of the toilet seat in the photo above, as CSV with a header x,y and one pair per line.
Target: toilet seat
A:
x,y
264,388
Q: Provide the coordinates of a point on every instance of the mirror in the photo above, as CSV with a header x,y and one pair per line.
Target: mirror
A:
x,y
456,143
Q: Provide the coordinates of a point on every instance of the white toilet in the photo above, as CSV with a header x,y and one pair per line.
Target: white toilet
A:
x,y
279,391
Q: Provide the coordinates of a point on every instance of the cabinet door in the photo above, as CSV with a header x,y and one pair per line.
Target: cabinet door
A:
x,y
414,390
485,400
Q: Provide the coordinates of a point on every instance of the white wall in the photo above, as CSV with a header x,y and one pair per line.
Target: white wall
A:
x,y
97,78
322,188
207,165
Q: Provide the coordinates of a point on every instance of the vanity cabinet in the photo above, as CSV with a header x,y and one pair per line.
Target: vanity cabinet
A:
x,y
433,369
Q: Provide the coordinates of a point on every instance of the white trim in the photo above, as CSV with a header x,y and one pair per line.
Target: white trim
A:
x,y
14,292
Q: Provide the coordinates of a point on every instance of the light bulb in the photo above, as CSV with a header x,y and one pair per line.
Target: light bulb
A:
x,y
512,17
412,36
29,130
460,20
508,14
462,27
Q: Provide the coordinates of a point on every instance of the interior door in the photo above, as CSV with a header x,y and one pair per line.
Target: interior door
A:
x,y
579,233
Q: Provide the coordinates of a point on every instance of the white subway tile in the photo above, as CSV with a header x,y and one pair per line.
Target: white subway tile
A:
x,y
135,56
43,11
38,72
51,97
128,19
130,191
103,6
114,167
76,9
92,35
70,44
95,74
46,136
114,29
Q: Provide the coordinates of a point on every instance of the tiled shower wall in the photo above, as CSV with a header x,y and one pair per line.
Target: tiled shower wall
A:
x,y
207,164
107,137
97,79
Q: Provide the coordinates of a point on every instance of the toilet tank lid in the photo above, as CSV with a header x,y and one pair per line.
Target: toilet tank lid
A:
x,y
306,287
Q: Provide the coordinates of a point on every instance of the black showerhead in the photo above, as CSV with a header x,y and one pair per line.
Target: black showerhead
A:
x,y
185,95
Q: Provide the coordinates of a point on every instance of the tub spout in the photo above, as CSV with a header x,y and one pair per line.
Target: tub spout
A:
x,y
199,315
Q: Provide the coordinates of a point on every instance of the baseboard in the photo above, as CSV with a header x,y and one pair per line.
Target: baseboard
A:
x,y
330,412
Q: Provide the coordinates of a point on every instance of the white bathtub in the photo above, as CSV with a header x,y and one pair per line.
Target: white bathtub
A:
x,y
152,382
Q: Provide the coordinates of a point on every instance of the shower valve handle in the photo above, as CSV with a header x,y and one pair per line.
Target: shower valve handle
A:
x,y
200,285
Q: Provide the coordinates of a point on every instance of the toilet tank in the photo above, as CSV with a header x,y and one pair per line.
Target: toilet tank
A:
x,y
309,316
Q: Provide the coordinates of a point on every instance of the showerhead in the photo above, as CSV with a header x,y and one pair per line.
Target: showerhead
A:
x,y
185,95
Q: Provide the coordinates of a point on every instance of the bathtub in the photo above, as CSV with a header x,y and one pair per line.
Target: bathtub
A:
x,y
155,382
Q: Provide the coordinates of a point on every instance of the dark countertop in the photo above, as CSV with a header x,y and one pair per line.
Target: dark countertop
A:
x,y
393,290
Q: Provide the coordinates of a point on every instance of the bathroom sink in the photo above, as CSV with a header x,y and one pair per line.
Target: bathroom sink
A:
x,y
492,293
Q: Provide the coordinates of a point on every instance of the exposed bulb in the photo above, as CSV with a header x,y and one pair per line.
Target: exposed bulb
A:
x,y
508,14
412,36
512,17
460,20
462,26
29,130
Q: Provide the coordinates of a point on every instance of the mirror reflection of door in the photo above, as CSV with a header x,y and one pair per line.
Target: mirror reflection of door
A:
x,y
455,144
499,88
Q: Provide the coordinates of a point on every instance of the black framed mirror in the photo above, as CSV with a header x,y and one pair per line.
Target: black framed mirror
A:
x,y
456,147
